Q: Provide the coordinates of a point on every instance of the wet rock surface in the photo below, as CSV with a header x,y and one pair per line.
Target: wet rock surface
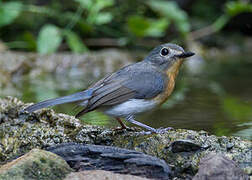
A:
x,y
33,64
17,66
217,166
19,133
83,157
37,164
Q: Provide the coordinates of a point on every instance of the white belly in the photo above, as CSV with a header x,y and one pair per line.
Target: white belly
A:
x,y
130,107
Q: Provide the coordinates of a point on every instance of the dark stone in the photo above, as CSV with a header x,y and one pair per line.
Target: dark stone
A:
x,y
229,146
96,157
185,146
218,167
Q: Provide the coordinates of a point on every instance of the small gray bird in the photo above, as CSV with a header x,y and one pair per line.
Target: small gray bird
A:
x,y
133,89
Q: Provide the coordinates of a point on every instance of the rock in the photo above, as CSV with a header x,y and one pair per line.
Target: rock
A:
x,y
218,167
3,47
20,133
185,146
100,175
159,145
229,146
82,157
37,164
14,65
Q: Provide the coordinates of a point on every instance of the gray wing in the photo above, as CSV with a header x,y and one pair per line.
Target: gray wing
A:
x,y
137,81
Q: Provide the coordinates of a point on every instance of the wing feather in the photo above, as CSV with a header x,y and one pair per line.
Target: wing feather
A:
x,y
136,81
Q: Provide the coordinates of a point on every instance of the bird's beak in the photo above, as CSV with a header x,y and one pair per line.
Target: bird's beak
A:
x,y
185,54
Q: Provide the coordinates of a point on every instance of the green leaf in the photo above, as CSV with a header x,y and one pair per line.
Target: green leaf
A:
x,y
172,12
74,42
141,26
9,11
30,40
96,5
138,25
86,4
101,4
166,8
234,8
103,18
49,39
158,27
183,26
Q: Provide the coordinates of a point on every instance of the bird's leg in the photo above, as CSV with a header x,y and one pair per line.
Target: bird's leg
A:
x,y
131,119
123,126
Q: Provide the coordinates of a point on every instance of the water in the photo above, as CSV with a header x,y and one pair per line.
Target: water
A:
x,y
218,100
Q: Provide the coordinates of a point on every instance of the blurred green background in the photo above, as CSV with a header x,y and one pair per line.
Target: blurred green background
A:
x,y
213,90
46,26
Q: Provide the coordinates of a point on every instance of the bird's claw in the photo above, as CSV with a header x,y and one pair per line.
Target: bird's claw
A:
x,y
156,131
163,130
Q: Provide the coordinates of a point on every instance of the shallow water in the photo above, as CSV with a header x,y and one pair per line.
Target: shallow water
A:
x,y
218,99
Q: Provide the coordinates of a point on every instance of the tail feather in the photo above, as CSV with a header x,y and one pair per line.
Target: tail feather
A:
x,y
80,96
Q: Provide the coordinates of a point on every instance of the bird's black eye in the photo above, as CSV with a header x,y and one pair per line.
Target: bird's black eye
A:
x,y
164,52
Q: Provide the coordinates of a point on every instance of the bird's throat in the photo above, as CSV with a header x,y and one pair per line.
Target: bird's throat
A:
x,y
174,69
171,74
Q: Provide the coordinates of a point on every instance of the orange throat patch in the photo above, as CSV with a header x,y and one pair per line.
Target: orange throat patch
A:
x,y
172,72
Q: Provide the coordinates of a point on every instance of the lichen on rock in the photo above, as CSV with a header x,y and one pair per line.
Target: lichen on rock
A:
x,y
37,164
181,149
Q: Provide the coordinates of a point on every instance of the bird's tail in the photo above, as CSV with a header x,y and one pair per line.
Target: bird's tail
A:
x,y
80,96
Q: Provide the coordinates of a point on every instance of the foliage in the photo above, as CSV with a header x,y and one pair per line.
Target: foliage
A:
x,y
141,26
51,36
74,42
94,11
234,8
55,24
171,12
49,39
168,13
9,11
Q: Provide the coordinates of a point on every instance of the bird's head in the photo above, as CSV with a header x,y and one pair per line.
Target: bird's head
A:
x,y
167,55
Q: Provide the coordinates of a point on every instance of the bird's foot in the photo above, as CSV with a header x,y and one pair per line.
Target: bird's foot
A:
x,y
163,130
156,131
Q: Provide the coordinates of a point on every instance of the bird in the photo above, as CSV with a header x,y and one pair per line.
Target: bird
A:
x,y
133,89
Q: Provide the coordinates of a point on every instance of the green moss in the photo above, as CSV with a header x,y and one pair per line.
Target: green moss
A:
x,y
30,166
23,132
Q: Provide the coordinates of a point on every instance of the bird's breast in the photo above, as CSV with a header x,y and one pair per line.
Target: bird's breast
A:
x,y
130,107
171,73
162,97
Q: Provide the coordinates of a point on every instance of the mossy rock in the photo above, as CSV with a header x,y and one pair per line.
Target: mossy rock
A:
x,y
180,148
37,164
